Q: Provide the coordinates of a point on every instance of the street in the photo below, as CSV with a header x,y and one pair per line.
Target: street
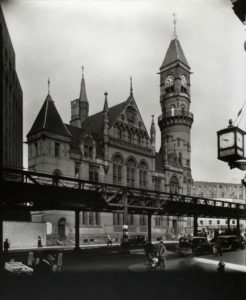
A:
x,y
108,274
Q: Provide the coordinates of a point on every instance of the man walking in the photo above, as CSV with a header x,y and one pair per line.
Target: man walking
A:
x,y
162,254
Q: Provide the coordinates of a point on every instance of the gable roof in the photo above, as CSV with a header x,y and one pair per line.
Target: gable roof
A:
x,y
48,119
95,122
174,53
76,136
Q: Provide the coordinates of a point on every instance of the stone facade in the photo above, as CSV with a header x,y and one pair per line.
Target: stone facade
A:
x,y
114,146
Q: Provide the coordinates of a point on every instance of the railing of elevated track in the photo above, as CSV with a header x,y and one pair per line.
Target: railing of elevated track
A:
x,y
144,200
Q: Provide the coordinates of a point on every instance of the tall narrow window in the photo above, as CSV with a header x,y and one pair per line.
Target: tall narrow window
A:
x,y
84,220
93,173
57,149
143,175
91,218
174,185
88,148
117,170
97,218
130,176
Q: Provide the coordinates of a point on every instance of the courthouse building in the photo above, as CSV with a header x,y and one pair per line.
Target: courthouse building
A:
x,y
114,146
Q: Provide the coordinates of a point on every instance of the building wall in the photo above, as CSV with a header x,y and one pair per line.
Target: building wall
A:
x,y
230,192
11,110
16,233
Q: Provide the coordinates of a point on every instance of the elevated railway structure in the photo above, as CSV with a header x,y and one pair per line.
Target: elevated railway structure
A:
x,y
34,191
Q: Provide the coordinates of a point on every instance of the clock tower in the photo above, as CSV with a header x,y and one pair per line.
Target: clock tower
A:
x,y
176,119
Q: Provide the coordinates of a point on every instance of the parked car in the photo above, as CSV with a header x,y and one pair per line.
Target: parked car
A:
x,y
136,240
229,242
196,245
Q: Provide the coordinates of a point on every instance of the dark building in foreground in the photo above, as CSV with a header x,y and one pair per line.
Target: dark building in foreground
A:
x,y
11,104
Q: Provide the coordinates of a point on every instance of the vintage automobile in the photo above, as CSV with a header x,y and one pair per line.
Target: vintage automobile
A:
x,y
136,240
229,242
195,245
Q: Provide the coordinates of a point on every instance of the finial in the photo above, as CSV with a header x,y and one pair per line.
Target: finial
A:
x,y
152,117
174,25
131,85
82,71
105,107
48,86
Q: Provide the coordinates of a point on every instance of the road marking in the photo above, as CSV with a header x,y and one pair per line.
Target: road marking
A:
x,y
230,266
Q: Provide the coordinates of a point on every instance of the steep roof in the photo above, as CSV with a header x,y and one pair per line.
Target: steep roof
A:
x,y
48,119
95,122
77,134
174,53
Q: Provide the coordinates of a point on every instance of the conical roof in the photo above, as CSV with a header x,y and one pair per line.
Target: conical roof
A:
x,y
82,95
48,119
174,53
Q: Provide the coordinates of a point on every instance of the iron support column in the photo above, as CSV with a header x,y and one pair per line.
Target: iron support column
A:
x,y
149,228
125,246
228,224
77,233
238,226
125,218
195,225
1,241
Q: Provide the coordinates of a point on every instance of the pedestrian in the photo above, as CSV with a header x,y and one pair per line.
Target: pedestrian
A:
x,y
218,245
162,254
6,246
39,241
221,267
149,251
109,240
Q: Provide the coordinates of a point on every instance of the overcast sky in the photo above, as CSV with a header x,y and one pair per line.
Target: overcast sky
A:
x,y
118,39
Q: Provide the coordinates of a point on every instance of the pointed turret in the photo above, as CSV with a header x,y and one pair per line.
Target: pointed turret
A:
x,y
105,107
174,54
82,95
153,133
80,106
49,120
106,132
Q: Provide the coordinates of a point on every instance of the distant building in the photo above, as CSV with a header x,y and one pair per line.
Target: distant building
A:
x,y
11,105
230,192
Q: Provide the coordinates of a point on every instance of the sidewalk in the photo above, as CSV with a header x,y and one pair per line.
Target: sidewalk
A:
x,y
233,260
82,246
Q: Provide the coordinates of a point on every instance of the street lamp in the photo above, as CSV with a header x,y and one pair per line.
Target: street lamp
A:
x,y
231,146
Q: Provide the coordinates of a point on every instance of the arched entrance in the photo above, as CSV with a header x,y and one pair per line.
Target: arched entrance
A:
x,y
62,229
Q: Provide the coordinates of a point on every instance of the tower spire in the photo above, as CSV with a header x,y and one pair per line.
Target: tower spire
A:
x,y
82,95
105,107
48,86
174,26
131,89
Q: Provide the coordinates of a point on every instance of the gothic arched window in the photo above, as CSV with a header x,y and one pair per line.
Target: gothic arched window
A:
x,y
88,148
174,185
143,176
130,172
117,169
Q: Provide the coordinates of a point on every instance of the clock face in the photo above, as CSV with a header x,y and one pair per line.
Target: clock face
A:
x,y
239,140
227,140
183,80
169,80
